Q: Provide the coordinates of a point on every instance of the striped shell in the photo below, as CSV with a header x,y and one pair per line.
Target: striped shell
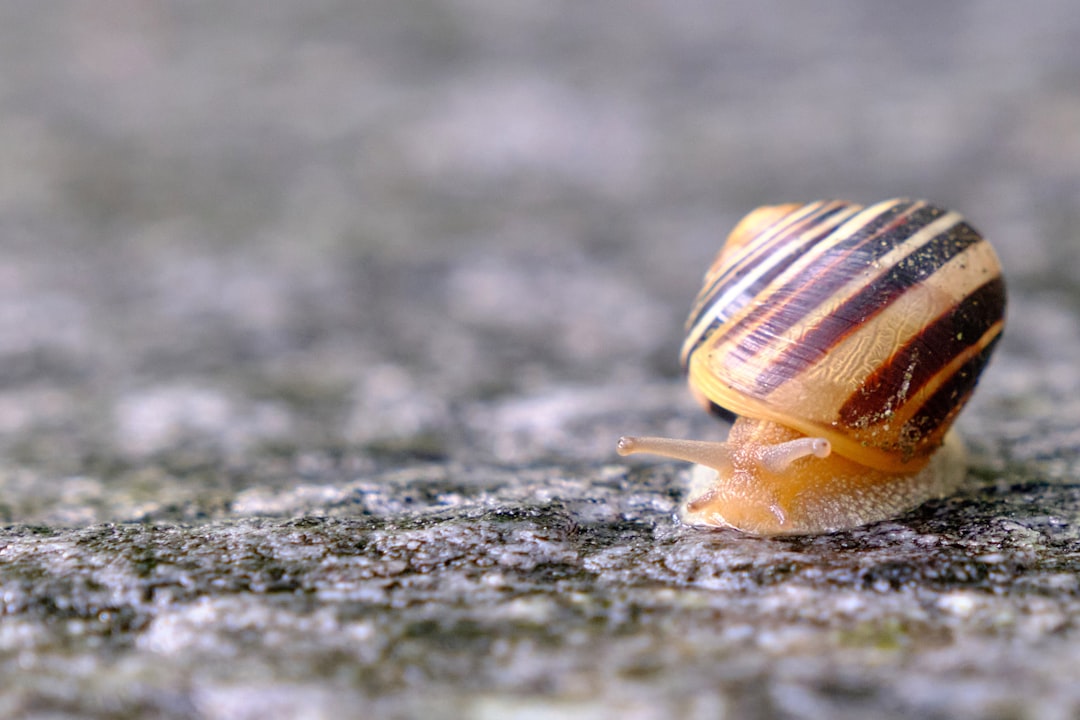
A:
x,y
868,326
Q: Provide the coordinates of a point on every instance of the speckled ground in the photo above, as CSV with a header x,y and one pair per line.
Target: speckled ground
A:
x,y
319,322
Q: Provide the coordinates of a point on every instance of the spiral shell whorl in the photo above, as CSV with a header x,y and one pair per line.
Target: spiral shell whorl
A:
x,y
868,326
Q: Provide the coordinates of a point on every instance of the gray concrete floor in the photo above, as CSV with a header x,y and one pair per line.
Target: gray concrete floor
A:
x,y
319,322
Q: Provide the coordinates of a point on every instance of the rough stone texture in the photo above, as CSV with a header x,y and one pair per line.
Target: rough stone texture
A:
x,y
319,321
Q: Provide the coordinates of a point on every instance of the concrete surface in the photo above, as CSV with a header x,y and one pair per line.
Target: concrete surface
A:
x,y
319,322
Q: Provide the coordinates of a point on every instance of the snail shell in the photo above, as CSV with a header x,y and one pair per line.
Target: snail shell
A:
x,y
846,340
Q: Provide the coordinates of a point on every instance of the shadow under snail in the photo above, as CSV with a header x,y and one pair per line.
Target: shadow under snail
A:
x,y
846,339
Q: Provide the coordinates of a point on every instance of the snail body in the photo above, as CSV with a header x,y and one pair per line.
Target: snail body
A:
x,y
845,339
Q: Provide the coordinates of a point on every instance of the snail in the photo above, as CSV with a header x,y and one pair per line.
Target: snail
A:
x,y
845,339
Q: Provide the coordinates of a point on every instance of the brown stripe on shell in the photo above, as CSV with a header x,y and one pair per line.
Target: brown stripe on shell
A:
x,y
914,364
841,321
790,229
748,232
819,281
943,406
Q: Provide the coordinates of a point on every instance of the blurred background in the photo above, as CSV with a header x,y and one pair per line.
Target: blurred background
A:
x,y
471,229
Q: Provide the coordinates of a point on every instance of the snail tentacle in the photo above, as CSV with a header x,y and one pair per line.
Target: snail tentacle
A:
x,y
778,458
716,455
